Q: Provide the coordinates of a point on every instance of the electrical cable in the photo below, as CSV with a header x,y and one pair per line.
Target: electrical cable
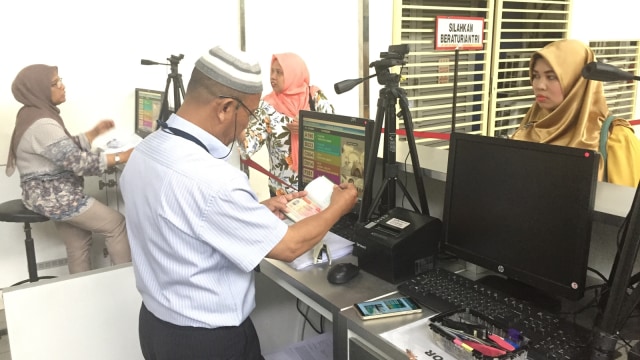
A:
x,y
305,315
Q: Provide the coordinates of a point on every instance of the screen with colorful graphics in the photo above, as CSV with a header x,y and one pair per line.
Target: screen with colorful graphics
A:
x,y
334,146
148,106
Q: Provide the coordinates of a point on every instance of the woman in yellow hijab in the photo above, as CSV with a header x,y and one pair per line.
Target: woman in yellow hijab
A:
x,y
569,110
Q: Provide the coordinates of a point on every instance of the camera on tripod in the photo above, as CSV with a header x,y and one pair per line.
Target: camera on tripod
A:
x,y
178,88
175,59
396,52
394,57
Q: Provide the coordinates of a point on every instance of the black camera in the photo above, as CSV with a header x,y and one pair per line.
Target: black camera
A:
x,y
396,52
175,59
393,57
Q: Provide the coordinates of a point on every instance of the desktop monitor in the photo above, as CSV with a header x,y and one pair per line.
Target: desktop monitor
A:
x,y
148,106
521,209
334,146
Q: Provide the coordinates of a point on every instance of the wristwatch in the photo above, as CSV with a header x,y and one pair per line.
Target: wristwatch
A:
x,y
117,158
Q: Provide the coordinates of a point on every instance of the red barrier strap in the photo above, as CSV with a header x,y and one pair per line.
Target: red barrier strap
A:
x,y
424,134
259,167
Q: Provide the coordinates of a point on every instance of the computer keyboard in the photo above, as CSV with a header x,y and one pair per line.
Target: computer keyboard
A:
x,y
345,227
550,337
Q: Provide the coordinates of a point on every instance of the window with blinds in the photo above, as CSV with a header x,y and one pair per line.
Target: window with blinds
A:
x,y
493,88
428,77
621,95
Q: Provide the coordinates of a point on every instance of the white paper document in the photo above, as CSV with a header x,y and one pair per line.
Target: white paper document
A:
x,y
337,247
318,197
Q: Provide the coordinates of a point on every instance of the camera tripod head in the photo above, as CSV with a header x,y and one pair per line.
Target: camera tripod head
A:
x,y
175,59
393,57
178,88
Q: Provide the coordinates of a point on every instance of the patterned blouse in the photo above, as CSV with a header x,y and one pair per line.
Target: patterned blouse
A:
x,y
270,127
52,166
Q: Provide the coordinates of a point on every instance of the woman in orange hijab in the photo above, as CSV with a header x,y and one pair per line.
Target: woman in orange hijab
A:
x,y
569,110
276,120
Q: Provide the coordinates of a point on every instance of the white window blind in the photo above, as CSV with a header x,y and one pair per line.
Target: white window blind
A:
x,y
621,95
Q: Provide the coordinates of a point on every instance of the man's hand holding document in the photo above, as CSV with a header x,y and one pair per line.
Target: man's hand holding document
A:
x,y
318,198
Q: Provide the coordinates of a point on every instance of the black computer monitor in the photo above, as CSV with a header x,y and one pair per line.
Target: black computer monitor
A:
x,y
334,146
148,106
521,209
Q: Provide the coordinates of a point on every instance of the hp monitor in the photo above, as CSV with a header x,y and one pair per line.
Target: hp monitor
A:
x,y
522,210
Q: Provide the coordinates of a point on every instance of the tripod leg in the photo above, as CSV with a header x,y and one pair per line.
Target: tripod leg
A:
x,y
180,85
366,206
383,186
177,88
406,194
164,109
413,151
390,169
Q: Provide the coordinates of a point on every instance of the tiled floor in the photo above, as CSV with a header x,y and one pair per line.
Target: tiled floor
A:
x,y
4,340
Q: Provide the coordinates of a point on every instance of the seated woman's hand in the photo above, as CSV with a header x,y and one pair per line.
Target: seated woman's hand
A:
x,y
103,126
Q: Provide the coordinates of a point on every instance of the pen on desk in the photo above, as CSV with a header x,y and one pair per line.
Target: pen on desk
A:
x,y
450,336
476,330
482,346
514,338
501,342
411,355
464,346
484,349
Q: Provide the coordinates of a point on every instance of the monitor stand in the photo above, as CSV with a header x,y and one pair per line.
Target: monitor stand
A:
x,y
522,291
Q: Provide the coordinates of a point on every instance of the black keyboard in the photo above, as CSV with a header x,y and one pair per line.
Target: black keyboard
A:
x,y
550,336
345,227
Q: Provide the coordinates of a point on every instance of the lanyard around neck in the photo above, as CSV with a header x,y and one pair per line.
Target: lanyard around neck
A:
x,y
182,134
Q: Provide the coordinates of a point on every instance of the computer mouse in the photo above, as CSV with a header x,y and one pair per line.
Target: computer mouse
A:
x,y
342,273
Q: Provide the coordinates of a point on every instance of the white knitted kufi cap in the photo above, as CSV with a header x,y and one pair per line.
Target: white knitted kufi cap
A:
x,y
235,69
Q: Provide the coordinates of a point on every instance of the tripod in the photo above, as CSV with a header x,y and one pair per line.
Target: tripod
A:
x,y
386,111
178,88
174,78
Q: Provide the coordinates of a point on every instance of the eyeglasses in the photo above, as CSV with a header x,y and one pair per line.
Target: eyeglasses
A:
x,y
57,83
251,112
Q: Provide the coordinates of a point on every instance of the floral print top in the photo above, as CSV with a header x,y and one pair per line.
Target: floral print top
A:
x,y
270,127
52,166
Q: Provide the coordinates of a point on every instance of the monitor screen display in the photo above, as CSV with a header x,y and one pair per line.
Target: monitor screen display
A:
x,y
148,106
334,146
521,209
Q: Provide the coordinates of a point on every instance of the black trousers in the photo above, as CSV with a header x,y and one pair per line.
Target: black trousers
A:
x,y
160,340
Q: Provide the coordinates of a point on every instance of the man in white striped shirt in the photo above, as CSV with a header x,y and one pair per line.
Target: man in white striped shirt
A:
x,y
196,228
